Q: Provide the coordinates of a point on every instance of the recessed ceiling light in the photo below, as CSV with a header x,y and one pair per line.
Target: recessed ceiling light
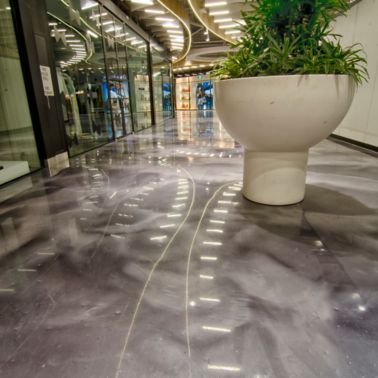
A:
x,y
218,13
215,4
168,19
220,20
146,2
228,26
170,25
154,11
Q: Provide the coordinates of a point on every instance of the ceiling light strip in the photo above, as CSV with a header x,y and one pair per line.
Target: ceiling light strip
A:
x,y
186,26
207,26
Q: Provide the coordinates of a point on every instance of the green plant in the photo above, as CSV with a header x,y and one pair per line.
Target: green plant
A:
x,y
283,37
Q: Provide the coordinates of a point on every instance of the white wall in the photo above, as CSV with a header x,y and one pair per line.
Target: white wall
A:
x,y
361,25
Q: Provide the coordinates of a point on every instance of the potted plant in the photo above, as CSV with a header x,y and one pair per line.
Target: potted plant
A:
x,y
287,86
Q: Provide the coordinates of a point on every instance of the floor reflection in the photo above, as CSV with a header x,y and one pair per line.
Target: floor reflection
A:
x,y
143,259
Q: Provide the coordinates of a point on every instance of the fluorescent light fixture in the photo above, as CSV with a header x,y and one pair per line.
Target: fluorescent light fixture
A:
x,y
168,19
130,39
53,23
218,13
61,30
89,5
232,32
70,35
220,20
215,4
106,23
73,40
146,2
136,42
170,25
154,11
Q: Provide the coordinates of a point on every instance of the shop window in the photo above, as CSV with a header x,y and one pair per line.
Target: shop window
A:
x,y
162,87
139,80
18,151
76,35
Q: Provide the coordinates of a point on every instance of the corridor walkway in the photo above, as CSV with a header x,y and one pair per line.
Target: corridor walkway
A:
x,y
144,260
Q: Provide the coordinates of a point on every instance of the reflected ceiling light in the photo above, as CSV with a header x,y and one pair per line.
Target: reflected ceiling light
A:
x,y
53,23
209,258
228,26
61,30
158,237
218,13
224,368
210,242
215,4
70,35
106,23
154,11
170,25
146,2
216,329
136,43
130,39
232,32
168,19
90,32
73,40
113,28
98,15
206,277
89,4
220,20
207,299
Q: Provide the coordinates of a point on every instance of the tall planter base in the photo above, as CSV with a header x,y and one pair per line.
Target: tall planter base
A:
x,y
274,178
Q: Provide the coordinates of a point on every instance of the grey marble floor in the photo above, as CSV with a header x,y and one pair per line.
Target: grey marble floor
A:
x,y
144,260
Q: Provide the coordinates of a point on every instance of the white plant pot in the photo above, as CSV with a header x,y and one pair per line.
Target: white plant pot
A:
x,y
277,119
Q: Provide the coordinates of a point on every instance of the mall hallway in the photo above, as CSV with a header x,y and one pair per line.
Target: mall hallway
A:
x,y
143,259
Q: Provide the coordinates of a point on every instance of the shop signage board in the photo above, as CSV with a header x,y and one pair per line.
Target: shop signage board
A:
x,y
47,81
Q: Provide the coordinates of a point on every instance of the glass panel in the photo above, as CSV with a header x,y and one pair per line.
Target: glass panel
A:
x,y
110,30
78,49
138,79
201,92
162,87
122,78
18,151
195,92
182,93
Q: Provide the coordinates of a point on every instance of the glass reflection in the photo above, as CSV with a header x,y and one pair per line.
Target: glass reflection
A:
x,y
76,36
18,152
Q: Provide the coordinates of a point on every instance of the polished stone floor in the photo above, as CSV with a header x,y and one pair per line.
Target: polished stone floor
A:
x,y
144,260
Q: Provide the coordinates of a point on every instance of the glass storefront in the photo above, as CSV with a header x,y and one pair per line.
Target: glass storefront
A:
x,y
139,81
103,74
18,151
194,93
162,87
76,36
